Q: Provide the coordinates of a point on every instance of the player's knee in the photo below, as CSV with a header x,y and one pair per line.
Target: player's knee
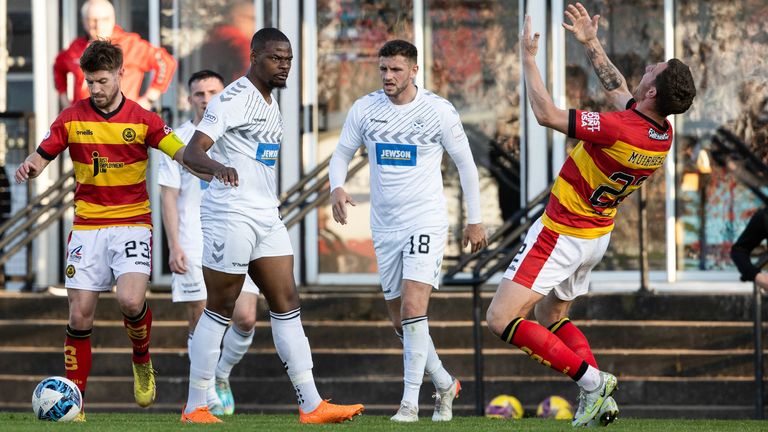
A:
x,y
495,320
244,323
80,320
131,307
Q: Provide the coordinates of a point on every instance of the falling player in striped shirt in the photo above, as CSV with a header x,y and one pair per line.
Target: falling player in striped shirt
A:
x,y
108,137
617,153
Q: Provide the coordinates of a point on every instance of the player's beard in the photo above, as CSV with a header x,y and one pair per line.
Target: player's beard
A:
x,y
107,101
278,84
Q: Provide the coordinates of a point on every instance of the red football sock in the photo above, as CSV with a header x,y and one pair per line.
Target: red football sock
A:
x,y
544,347
77,356
139,329
574,339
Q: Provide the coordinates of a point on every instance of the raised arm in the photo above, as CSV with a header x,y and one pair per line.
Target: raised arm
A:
x,y
584,29
546,112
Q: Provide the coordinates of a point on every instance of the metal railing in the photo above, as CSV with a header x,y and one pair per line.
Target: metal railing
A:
x,y
313,190
503,245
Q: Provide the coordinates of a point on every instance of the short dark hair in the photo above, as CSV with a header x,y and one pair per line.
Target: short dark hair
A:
x,y
266,35
201,75
101,55
399,47
675,88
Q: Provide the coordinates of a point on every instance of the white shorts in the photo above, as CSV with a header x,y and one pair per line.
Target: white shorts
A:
x,y
190,286
95,257
232,240
548,260
414,254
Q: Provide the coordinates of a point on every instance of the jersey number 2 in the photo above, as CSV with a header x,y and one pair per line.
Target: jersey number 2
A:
x,y
601,196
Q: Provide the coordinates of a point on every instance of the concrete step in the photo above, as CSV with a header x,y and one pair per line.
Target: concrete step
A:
x,y
705,335
351,363
444,306
710,398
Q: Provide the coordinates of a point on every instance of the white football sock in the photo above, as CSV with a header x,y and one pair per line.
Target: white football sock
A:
x,y
189,344
235,345
211,398
204,350
434,367
415,348
441,379
590,381
293,349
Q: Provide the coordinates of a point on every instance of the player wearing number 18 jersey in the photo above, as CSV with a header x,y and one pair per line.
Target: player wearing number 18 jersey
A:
x,y
406,131
617,153
108,137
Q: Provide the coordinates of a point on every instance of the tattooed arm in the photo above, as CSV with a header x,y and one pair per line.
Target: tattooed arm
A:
x,y
584,29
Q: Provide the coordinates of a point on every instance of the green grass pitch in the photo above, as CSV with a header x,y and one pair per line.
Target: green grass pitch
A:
x,y
125,422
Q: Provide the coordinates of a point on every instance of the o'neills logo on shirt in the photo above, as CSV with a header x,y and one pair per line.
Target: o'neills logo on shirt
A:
x,y
396,154
102,164
652,134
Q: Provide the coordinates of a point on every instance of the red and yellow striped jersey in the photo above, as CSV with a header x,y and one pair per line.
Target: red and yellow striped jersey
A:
x,y
109,153
618,151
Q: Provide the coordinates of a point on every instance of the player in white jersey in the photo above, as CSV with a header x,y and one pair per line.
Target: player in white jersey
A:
x,y
243,232
406,130
181,192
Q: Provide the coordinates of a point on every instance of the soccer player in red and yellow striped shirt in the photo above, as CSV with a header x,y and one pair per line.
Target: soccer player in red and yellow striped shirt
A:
x,y
108,137
618,151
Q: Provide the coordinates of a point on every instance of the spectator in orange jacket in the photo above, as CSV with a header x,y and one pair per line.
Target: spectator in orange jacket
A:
x,y
140,57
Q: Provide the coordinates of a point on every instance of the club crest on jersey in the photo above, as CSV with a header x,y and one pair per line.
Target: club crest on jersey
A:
x,y
396,154
102,164
71,271
652,134
267,153
590,121
418,124
129,134
76,254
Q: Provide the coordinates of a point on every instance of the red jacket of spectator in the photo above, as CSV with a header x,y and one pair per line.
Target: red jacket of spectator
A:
x,y
139,57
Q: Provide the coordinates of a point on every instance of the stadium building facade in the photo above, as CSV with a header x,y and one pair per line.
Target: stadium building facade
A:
x,y
468,53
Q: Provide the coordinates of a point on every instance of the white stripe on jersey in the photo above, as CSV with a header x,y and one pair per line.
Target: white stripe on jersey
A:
x,y
405,146
247,133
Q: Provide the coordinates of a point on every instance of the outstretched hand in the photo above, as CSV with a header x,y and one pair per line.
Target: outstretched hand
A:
x,y
582,26
529,46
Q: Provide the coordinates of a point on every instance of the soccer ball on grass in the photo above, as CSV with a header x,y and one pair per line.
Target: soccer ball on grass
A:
x,y
56,399
504,407
555,407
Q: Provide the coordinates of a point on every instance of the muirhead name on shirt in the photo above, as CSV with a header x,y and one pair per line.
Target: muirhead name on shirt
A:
x,y
645,160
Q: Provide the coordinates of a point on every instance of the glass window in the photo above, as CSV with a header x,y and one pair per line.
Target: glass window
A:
x,y
350,33
725,43
471,59
633,36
